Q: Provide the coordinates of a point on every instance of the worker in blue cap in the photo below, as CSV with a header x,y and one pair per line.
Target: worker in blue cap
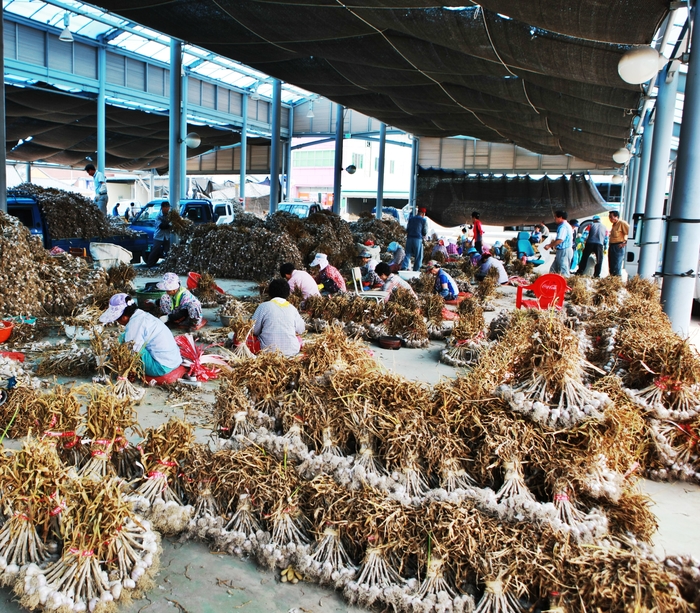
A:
x,y
398,261
595,235
474,256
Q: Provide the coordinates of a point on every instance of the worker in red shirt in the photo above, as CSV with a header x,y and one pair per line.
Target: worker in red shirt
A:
x,y
478,231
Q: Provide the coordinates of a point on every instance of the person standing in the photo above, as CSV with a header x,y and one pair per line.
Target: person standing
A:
x,y
478,231
101,196
563,245
161,239
597,234
416,231
618,242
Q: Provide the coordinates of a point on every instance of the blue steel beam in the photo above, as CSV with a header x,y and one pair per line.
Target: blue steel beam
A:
x,y
380,170
244,148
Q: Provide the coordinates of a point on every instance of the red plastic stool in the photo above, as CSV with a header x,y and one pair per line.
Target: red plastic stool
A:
x,y
168,378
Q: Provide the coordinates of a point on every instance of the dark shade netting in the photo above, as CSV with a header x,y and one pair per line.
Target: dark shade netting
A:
x,y
420,66
63,130
451,196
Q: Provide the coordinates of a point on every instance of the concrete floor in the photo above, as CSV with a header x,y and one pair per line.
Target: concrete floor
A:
x,y
193,579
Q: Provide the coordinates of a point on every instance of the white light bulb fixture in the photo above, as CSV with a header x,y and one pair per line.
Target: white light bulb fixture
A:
x,y
640,64
255,95
310,112
617,179
66,35
192,140
622,156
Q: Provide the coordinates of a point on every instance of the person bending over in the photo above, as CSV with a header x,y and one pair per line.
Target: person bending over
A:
x,y
391,280
301,279
398,261
487,263
152,339
445,285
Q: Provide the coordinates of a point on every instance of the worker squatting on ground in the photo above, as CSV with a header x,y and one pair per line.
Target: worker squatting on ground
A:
x,y
391,280
277,322
367,270
398,261
445,285
299,279
152,339
328,277
178,305
488,261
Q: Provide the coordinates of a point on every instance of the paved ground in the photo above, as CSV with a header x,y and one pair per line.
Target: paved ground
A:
x,y
195,580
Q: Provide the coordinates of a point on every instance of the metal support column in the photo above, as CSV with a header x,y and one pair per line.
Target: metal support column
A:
x,y
275,145
632,177
414,174
101,107
288,157
380,169
338,167
3,131
183,135
643,173
244,150
681,255
174,182
28,173
658,173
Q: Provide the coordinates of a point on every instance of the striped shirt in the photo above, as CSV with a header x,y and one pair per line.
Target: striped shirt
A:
x,y
392,282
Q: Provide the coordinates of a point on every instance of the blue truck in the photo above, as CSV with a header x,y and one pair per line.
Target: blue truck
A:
x,y
28,211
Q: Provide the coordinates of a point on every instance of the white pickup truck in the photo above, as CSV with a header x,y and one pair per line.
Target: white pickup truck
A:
x,y
223,211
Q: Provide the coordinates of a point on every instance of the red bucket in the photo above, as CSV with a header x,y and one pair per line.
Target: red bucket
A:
x,y
6,330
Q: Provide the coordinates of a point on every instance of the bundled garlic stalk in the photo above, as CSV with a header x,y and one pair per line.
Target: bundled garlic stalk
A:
x,y
107,421
107,550
207,518
677,448
602,482
514,492
497,599
126,364
32,482
468,336
436,595
548,382
377,580
156,494
584,527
